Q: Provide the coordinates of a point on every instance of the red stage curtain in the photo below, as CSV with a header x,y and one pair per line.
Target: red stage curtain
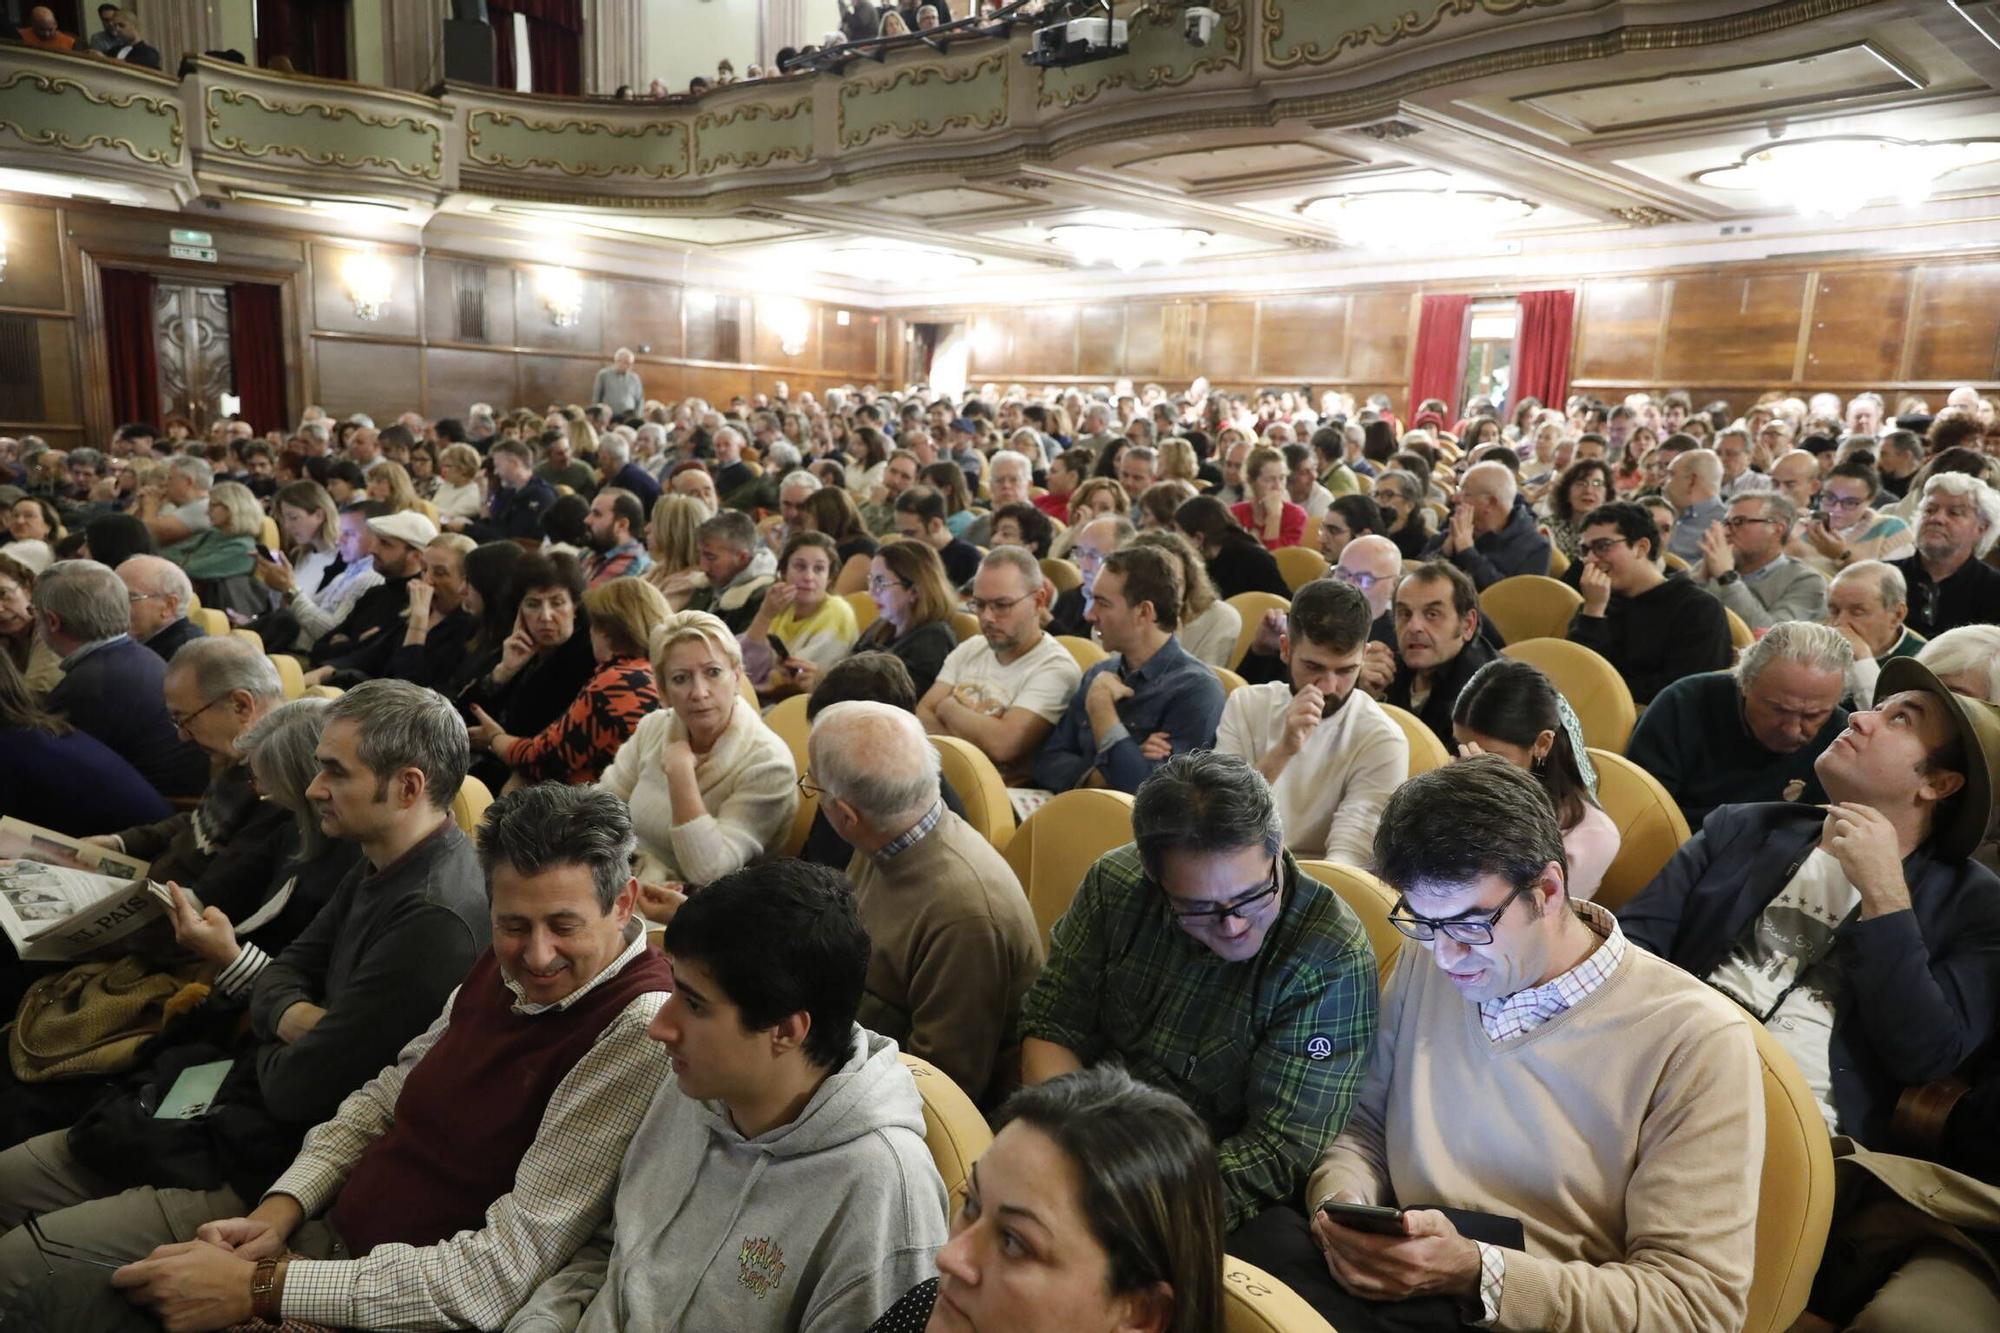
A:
x,y
555,43
1439,367
257,349
1541,347
130,353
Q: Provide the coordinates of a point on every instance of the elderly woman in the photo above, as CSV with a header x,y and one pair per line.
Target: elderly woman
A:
x,y
710,786
35,660
219,559
1400,496
546,659
1577,490
579,745
458,498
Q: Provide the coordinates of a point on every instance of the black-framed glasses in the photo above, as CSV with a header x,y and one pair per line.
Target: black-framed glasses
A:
x,y
979,606
1212,915
1460,929
48,1248
1598,549
1735,521
808,786
182,723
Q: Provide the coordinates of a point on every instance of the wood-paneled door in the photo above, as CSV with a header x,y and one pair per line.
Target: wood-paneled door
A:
x,y
191,331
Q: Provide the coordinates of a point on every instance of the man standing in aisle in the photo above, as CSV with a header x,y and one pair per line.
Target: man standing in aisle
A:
x,y
618,386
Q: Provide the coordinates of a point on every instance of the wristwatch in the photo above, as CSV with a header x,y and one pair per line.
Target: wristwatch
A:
x,y
267,1285
1726,578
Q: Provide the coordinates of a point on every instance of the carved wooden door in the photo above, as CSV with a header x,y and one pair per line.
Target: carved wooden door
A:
x,y
191,326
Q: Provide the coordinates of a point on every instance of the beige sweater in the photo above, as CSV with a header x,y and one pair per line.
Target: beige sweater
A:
x,y
954,949
1627,1134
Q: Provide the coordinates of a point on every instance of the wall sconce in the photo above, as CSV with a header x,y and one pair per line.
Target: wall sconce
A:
x,y
562,295
3,259
368,283
791,320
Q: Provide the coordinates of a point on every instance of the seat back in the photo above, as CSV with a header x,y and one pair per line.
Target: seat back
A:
x,y
865,611
1252,606
954,1130
788,718
1062,573
1299,565
1426,750
470,804
1795,1195
291,677
268,535
249,636
1528,606
321,692
853,577
1372,901
1057,843
213,623
978,784
965,625
1592,685
1651,827
1231,682
1740,634
1558,562
1085,652
1255,1302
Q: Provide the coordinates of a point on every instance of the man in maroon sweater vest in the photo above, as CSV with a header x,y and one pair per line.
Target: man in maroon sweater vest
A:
x,y
470,1170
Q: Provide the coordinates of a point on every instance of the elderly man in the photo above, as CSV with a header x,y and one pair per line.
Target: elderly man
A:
x,y
1206,962
1492,533
1859,932
1095,429
738,569
1751,733
618,386
329,1012
1654,627
1744,565
1597,1114
1097,539
1950,583
793,491
1897,457
417,1172
1138,468
364,449
1235,488
561,467
1004,690
112,686
160,595
1732,450
1438,645
616,468
953,946
1693,483
42,31
1869,604
178,509
899,474
1007,476
612,527
734,478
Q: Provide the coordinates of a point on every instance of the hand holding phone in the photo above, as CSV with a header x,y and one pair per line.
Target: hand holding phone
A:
x,y
1375,1219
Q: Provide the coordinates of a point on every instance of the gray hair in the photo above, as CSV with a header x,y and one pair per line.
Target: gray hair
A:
x,y
1019,559
159,576
550,824
88,598
1815,647
612,449
281,749
225,664
1969,648
799,480
731,432
732,526
1776,503
1889,585
866,754
1984,498
1505,485
86,457
1009,458
782,454
1403,480
194,469
1204,802
653,431
1705,465
320,430
401,725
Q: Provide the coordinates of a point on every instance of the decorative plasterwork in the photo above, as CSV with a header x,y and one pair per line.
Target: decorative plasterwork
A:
x,y
1391,129
64,132
1159,58
1315,32
925,101
754,136
327,142
520,142
1645,215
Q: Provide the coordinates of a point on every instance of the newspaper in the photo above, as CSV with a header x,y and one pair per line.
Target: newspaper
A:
x,y
55,905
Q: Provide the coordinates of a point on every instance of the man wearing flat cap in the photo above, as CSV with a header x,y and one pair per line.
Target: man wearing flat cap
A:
x,y
1860,933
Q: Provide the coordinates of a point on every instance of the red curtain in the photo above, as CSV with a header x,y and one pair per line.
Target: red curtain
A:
x,y
555,43
257,349
1541,347
1439,367
129,348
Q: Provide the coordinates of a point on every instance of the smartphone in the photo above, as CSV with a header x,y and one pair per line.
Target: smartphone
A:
x,y
266,552
778,647
1372,1218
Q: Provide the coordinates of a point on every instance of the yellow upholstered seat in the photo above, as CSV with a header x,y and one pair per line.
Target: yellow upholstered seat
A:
x,y
965,625
1651,827
1558,563
1592,685
1740,635
1086,652
291,677
249,636
213,623
788,718
269,536
1795,1196
865,610
980,786
1255,1302
1061,573
1299,565
322,692
1061,840
853,577
1231,682
1426,750
1528,606
1252,606
1372,901
954,1130
470,804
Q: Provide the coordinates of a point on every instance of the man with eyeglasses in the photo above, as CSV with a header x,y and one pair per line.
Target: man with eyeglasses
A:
x,y
1205,961
1572,1130
1005,689
1950,582
160,594
1744,565
1654,626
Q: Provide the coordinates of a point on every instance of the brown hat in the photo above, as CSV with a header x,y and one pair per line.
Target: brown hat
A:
x,y
1977,724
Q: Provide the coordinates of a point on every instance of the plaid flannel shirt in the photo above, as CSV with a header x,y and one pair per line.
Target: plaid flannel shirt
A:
x,y
1270,1052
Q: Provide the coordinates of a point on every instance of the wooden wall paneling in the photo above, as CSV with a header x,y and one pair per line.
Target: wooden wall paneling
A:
x,y
381,379
849,349
35,278
535,327
1955,335
1145,342
333,308
1618,328
644,314
1045,340
1859,324
769,317
1734,329
1378,340
715,326
456,378
546,378
1301,337
992,343
1100,339
1228,343
716,384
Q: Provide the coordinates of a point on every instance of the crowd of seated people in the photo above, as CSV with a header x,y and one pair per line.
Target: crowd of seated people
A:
x,y
271,668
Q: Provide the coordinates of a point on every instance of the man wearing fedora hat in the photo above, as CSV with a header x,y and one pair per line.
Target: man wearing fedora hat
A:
x,y
1861,933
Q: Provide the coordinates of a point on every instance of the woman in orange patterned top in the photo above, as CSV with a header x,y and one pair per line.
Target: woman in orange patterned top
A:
x,y
577,746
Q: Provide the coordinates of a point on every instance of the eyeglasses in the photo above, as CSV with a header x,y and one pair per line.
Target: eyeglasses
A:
x,y
182,723
808,786
1600,548
979,606
1462,929
1845,501
1212,915
878,584
1356,578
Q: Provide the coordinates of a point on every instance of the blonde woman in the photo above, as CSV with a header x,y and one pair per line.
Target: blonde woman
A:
x,y
1178,463
459,496
711,788
309,530
220,557
676,553
389,484
1099,497
1209,625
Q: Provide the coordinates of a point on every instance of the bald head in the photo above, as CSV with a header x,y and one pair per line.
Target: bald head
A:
x,y
1693,477
1371,564
876,770
160,593
42,20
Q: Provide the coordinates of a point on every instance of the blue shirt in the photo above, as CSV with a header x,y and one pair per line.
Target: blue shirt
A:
x,y
1173,692
1691,524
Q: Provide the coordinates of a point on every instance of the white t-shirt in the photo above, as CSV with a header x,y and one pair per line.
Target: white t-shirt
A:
x,y
1040,680
1797,925
1331,796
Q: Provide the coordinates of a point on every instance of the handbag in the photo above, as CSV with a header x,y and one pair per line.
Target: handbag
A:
x,y
92,1019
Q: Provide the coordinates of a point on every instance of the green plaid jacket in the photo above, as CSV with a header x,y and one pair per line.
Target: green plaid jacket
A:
x,y
1269,1052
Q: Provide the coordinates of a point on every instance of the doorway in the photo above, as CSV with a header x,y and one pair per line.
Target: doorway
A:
x,y
940,356
191,341
1489,352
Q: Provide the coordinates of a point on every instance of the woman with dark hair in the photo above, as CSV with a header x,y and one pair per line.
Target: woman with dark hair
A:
x,y
487,598
1510,709
914,602
61,778
868,457
831,510
1378,442
1107,462
949,480
1237,561
1021,524
1400,497
1120,1181
1582,486
112,539
1348,517
562,522
545,660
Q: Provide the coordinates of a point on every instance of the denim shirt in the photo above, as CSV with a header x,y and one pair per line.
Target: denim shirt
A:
x,y
1173,692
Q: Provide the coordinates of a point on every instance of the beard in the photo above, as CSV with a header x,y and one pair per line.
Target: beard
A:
x,y
1328,704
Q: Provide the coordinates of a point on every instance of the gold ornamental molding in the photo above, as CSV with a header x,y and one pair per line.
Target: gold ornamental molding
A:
x,y
665,132
1410,23
923,76
710,121
58,86
330,115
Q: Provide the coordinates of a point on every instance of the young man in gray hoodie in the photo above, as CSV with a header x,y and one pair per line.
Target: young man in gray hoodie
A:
x,y
780,1180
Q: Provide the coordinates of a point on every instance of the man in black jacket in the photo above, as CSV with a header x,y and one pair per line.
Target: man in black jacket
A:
x,y
160,595
1654,627
370,972
1950,583
1438,646
1492,534
518,499
1860,933
397,542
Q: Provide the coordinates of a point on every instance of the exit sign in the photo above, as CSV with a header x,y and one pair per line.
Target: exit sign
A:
x,y
201,253
181,236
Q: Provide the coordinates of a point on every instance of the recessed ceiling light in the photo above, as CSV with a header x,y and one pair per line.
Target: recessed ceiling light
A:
x,y
1841,173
